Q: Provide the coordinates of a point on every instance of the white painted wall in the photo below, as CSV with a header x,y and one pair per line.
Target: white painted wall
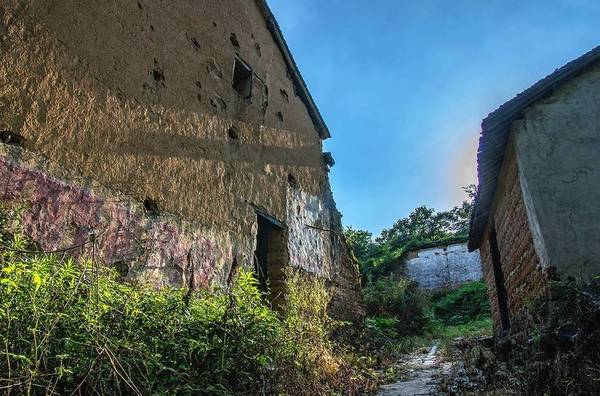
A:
x,y
444,266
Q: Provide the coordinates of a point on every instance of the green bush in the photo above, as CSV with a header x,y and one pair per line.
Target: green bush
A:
x,y
69,326
398,298
465,304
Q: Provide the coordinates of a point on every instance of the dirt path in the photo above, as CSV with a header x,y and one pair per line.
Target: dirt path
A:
x,y
422,369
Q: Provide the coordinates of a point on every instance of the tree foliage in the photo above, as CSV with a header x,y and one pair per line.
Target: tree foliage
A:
x,y
422,227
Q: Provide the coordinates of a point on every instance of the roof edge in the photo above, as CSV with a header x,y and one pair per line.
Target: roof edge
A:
x,y
495,129
302,89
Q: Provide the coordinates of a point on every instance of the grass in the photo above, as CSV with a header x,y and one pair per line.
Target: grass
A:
x,y
476,328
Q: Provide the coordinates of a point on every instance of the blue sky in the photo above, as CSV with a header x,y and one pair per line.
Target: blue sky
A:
x,y
404,84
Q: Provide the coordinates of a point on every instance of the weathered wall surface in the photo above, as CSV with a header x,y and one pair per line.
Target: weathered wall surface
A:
x,y
134,99
444,266
524,278
62,212
558,146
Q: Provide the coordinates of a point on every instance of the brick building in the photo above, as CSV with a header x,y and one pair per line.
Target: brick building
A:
x,y
536,212
176,139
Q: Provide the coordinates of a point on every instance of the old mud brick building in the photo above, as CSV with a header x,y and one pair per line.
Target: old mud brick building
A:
x,y
537,213
179,136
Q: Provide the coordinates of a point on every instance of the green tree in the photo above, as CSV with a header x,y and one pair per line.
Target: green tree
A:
x,y
422,226
361,242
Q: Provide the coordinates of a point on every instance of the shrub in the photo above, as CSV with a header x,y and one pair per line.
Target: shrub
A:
x,y
558,353
69,326
400,299
467,303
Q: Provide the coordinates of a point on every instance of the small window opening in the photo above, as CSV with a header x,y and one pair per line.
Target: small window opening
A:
x,y
270,259
499,281
242,79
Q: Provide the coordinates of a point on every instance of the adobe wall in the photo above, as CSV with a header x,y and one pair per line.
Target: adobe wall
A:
x,y
120,102
558,142
524,277
443,267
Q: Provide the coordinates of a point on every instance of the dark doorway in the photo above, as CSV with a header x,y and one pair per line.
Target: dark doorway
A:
x,y
499,280
270,258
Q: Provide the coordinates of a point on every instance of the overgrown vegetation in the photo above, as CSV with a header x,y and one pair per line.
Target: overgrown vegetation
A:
x,y
400,316
422,228
466,304
69,326
558,355
398,300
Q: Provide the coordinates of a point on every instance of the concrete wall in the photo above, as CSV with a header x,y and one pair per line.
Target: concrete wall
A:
x,y
558,146
444,266
117,103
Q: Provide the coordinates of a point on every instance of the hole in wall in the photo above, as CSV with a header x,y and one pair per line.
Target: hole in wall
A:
x,y
139,5
158,74
292,181
198,84
121,268
257,50
151,27
214,69
214,24
195,43
279,116
151,207
233,133
234,41
218,103
242,78
199,97
9,137
284,95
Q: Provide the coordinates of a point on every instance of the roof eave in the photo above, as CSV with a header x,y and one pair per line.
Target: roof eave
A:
x,y
495,129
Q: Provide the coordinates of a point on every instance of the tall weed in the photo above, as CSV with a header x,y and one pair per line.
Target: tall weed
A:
x,y
69,326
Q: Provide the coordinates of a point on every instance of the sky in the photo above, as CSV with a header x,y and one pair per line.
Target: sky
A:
x,y
404,84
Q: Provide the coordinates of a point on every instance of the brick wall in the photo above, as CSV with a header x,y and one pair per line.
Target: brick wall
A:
x,y
523,277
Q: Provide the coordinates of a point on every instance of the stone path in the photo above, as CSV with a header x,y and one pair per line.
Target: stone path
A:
x,y
420,376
